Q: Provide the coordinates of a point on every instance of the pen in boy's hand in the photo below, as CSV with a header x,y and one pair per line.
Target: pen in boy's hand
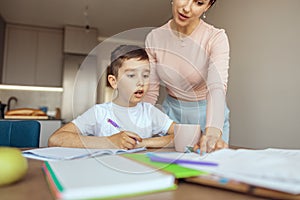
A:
x,y
118,127
114,124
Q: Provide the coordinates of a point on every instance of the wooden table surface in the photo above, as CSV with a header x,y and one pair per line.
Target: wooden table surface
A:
x,y
34,187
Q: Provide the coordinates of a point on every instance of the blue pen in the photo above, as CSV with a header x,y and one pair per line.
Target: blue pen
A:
x,y
117,126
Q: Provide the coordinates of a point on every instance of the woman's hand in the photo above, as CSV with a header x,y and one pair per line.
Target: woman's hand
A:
x,y
210,141
125,140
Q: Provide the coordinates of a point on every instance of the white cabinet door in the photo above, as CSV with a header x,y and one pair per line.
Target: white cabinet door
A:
x,y
47,128
33,56
20,56
79,41
49,58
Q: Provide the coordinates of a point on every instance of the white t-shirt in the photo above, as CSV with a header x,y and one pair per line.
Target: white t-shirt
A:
x,y
144,119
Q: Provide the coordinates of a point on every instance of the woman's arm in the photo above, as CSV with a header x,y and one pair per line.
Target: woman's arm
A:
x,y
217,78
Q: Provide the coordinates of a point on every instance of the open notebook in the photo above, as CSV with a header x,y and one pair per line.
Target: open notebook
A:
x,y
62,153
105,177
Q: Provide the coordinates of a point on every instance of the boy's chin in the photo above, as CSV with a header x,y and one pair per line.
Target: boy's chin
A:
x,y
135,101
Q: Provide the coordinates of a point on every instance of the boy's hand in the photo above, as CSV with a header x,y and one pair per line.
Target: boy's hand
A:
x,y
125,140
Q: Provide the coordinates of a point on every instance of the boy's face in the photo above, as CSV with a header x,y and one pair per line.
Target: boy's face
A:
x,y
132,82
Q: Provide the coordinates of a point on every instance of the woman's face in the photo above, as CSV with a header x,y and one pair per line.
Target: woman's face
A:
x,y
186,12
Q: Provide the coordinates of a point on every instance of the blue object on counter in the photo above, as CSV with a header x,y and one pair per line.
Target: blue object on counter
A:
x,y
44,109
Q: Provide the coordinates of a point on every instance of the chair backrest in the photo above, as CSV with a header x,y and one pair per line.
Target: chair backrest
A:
x,y
25,133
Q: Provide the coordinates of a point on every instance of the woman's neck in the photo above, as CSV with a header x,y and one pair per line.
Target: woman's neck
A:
x,y
182,31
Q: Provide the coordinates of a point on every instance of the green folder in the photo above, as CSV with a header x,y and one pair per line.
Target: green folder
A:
x,y
177,170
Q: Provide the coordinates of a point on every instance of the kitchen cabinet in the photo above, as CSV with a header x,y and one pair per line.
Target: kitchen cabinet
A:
x,y
33,56
2,33
48,127
78,40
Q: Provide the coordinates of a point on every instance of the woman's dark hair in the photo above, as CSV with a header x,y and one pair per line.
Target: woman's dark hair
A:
x,y
123,53
212,2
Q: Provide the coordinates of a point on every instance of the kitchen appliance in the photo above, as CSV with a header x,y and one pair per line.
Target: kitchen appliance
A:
x,y
2,110
79,85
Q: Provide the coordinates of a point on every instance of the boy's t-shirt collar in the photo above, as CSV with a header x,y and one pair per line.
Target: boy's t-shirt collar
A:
x,y
116,106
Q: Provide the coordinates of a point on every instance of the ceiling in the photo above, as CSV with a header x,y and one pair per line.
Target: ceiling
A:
x,y
110,17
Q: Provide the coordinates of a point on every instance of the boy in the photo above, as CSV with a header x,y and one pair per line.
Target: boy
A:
x,y
129,76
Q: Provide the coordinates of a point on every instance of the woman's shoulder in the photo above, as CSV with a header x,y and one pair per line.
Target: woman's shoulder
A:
x,y
160,29
213,34
158,35
211,28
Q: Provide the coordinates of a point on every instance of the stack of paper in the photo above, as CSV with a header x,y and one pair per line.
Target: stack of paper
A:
x,y
104,177
276,169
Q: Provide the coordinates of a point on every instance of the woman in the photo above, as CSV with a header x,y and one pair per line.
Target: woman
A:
x,y
191,59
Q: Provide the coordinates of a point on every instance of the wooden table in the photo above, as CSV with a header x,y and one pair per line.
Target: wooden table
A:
x,y
34,187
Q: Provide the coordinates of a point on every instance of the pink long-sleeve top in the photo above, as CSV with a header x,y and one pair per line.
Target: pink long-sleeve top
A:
x,y
191,68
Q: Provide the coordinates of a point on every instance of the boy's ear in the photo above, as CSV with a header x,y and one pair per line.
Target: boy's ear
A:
x,y
112,81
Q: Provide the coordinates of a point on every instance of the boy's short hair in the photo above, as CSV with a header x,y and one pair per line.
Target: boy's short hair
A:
x,y
123,53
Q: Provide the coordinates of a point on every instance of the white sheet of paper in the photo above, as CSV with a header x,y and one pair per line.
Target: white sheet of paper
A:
x,y
271,168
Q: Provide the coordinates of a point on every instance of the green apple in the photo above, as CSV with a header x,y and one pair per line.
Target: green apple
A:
x,y
13,166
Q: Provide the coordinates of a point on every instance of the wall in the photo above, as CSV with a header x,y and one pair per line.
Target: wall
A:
x,y
263,91
32,99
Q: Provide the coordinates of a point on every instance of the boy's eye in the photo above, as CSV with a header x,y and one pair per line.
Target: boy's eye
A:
x,y
130,75
199,3
146,75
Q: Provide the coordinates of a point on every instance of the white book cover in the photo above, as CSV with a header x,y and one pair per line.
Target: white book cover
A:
x,y
104,177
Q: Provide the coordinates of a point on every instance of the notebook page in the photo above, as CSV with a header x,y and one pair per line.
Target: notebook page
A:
x,y
63,153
